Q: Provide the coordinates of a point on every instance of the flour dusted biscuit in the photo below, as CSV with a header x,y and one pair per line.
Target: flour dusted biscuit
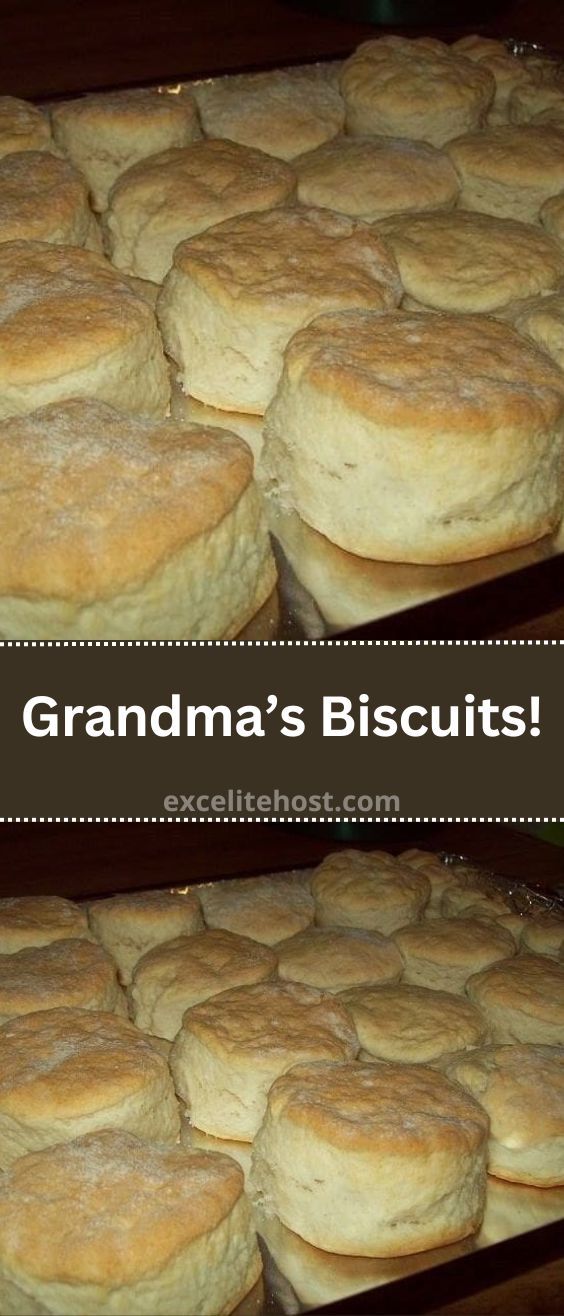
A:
x,y
413,1025
402,88
125,1227
231,1048
64,973
543,934
39,920
371,890
521,1088
417,437
43,197
522,999
66,1072
115,527
71,326
370,177
443,953
129,925
175,194
181,973
335,958
372,1160
509,71
23,127
509,171
268,909
282,112
471,262
106,134
237,293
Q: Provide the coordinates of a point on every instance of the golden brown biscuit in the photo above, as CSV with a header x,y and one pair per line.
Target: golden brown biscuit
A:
x,y
418,89
416,437
106,134
71,326
372,1160
173,195
66,1072
142,1228
120,528
521,1088
232,1047
181,973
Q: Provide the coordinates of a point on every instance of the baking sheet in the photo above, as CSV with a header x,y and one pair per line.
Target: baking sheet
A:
x,y
298,1277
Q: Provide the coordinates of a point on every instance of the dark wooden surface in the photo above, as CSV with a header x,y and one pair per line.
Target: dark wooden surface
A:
x,y
58,46
81,859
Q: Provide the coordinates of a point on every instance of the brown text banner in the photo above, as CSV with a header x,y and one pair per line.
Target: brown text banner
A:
x,y
326,730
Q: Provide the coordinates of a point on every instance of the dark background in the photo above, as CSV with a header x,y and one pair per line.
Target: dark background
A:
x,y
55,46
80,860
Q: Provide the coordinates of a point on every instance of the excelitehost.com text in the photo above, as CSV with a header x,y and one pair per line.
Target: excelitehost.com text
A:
x,y
237,801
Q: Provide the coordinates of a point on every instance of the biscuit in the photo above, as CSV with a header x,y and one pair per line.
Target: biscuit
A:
x,y
543,934
522,999
238,292
369,890
444,953
521,1088
371,1160
64,973
23,127
66,1072
509,171
181,973
282,112
44,198
120,528
175,194
39,920
371,177
402,88
106,134
413,1025
141,1229
335,958
417,438
71,326
130,925
268,909
471,262
231,1048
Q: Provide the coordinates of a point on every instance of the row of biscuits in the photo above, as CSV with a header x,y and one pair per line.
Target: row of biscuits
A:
x,y
310,1038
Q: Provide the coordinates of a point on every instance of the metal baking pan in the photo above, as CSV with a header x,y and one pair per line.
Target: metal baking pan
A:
x,y
324,591
522,1227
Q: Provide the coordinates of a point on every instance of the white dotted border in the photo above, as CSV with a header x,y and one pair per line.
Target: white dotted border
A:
x,y
269,644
